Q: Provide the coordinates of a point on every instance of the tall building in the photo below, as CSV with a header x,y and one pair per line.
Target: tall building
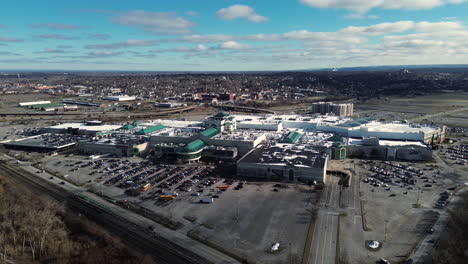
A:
x,y
333,109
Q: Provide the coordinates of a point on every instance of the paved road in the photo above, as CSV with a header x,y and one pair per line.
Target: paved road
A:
x,y
352,223
324,243
130,227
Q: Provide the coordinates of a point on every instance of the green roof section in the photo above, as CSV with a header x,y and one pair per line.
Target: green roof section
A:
x,y
210,132
127,127
193,146
336,138
152,129
221,115
291,137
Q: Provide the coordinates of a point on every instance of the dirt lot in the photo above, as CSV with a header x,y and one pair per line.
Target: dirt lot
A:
x,y
396,108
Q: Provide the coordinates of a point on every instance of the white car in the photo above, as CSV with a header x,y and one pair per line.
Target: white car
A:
x,y
275,247
374,244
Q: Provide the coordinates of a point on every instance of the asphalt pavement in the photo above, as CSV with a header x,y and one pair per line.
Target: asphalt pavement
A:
x,y
324,244
167,245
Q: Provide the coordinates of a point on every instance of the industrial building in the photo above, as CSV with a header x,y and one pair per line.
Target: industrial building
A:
x,y
324,108
23,104
119,145
373,148
89,104
87,128
43,143
284,162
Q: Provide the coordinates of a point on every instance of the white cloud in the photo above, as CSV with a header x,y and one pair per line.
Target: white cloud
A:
x,y
102,54
55,36
439,26
100,36
192,13
124,44
232,45
206,38
201,47
7,39
304,35
240,11
47,50
7,53
449,18
360,16
158,22
56,26
403,42
362,6
401,26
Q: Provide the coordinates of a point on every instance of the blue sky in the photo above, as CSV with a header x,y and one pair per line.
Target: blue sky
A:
x,y
205,35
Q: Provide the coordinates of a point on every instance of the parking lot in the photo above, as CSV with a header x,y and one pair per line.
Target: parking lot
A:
x,y
401,201
236,214
119,178
247,220
456,154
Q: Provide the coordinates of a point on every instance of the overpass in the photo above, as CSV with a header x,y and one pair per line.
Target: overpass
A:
x,y
244,109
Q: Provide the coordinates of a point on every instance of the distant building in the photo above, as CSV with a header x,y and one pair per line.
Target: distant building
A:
x,y
226,97
333,109
115,90
34,103
120,98
169,105
221,121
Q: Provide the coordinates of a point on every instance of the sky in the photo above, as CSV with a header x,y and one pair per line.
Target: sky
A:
x,y
230,35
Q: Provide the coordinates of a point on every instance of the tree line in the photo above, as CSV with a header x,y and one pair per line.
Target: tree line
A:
x,y
36,230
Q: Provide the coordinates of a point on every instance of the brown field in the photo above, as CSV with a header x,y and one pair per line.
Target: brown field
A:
x,y
395,108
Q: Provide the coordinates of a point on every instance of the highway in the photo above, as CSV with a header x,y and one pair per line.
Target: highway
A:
x,y
136,236
324,244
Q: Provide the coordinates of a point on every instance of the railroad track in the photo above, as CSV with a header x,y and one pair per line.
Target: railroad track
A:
x,y
135,236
